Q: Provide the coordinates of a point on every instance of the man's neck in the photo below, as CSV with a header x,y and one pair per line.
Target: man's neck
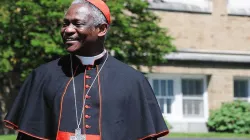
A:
x,y
90,60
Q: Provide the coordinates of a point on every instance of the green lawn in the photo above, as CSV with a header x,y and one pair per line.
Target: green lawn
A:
x,y
207,135
175,135
8,137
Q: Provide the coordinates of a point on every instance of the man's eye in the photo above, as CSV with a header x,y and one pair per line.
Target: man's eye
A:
x,y
65,24
79,24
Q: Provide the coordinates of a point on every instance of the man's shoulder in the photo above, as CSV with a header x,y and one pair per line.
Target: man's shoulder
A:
x,y
48,65
126,69
49,68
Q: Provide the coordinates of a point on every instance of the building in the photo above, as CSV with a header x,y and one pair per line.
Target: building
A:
x,y
212,64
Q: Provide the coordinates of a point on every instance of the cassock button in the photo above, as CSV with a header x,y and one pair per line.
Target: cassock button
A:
x,y
87,116
87,126
87,96
87,86
87,106
87,77
89,67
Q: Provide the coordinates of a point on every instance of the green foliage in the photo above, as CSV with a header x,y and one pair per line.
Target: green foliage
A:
x,y
30,33
233,117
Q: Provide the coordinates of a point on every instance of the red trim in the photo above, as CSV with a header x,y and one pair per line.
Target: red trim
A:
x,y
66,136
13,126
61,104
163,133
32,135
10,125
84,94
76,70
100,101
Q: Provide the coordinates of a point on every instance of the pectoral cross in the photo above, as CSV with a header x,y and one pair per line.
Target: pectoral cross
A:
x,y
78,135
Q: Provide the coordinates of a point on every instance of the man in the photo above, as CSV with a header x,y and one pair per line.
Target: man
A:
x,y
87,94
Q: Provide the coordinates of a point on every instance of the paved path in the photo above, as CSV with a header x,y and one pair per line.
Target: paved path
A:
x,y
202,139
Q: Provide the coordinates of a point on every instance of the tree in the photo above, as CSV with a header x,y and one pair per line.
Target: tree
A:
x,y
29,36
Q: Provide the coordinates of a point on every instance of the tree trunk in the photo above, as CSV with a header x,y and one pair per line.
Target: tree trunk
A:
x,y
9,86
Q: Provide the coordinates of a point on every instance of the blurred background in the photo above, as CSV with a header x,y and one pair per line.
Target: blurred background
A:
x,y
195,54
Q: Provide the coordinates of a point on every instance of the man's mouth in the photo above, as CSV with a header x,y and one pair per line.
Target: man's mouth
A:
x,y
71,40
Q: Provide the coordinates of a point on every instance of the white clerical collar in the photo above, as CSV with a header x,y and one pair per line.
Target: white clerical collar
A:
x,y
91,60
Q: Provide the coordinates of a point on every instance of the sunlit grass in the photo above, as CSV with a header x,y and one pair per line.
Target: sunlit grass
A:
x,y
207,135
175,135
8,137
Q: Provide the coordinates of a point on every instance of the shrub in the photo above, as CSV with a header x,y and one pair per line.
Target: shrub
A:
x,y
233,117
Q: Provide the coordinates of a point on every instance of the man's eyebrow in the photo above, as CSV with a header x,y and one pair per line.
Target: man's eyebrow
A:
x,y
70,19
65,19
74,20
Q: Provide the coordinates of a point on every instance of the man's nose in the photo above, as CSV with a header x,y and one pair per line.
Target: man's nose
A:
x,y
70,29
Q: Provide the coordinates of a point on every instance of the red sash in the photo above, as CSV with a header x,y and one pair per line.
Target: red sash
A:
x,y
66,135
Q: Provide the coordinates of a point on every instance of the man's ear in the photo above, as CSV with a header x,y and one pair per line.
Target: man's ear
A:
x,y
103,29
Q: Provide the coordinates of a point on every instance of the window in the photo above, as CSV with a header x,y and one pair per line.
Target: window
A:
x,y
200,6
192,90
164,93
238,7
241,89
181,97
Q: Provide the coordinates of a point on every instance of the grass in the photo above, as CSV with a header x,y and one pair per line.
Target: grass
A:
x,y
207,135
176,135
8,137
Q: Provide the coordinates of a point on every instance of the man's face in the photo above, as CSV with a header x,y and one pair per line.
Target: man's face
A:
x,y
78,31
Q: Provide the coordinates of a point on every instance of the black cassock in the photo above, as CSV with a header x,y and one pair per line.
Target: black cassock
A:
x,y
120,106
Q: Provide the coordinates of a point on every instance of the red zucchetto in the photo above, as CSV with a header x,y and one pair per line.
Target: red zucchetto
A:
x,y
102,6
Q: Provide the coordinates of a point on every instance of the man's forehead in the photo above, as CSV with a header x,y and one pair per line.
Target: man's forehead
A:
x,y
83,10
77,9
